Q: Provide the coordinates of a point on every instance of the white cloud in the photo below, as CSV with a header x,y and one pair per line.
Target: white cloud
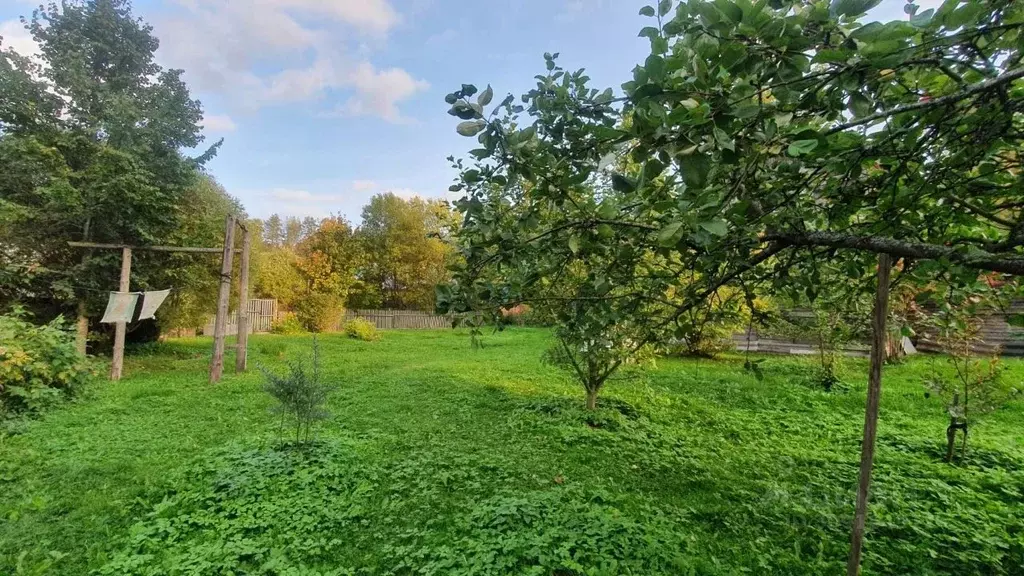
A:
x,y
17,37
405,193
219,123
302,196
364,185
379,92
271,52
368,15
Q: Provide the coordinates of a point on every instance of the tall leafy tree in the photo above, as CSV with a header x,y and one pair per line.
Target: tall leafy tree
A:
x,y
773,137
406,252
770,138
91,142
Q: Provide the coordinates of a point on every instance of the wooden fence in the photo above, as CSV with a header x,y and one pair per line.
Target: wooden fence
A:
x,y
755,342
262,314
401,319
996,336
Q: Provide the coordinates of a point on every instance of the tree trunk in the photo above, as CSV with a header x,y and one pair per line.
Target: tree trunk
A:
x,y
591,399
950,441
867,457
82,329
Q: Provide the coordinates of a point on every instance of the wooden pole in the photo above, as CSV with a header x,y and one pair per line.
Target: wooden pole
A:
x,y
242,353
223,300
176,249
867,455
82,328
121,328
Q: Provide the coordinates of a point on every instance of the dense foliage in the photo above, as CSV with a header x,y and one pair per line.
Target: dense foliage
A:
x,y
406,252
39,366
759,142
91,135
440,461
393,259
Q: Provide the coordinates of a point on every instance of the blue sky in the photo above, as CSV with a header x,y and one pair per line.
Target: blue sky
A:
x,y
323,103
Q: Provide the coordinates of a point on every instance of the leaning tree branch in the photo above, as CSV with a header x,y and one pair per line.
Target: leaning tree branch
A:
x,y
971,90
974,258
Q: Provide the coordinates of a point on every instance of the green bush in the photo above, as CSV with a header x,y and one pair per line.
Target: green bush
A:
x,y
319,312
301,395
288,325
361,329
39,366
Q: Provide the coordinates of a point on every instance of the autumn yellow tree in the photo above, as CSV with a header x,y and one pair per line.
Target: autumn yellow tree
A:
x,y
407,252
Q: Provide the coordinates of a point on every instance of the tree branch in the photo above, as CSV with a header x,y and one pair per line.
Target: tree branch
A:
x,y
1004,78
975,258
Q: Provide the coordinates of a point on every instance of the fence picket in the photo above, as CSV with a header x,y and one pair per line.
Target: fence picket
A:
x,y
401,319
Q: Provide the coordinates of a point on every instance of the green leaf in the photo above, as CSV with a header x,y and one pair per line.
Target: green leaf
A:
x,y
852,7
486,96
801,147
695,169
730,10
605,97
574,244
655,66
689,103
716,227
468,90
622,184
649,32
923,19
669,235
647,11
724,140
664,7
471,128
528,133
860,105
463,110
451,98
745,111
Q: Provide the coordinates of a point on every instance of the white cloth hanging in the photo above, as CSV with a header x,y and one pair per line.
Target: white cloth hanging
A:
x,y
120,307
133,306
151,301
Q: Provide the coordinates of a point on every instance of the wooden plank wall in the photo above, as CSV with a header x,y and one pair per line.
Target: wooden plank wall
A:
x,y
997,336
262,314
401,319
770,345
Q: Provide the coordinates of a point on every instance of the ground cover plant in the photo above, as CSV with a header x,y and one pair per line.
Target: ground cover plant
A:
x,y
442,459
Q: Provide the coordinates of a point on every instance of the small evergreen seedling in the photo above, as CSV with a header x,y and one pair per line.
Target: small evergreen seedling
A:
x,y
301,395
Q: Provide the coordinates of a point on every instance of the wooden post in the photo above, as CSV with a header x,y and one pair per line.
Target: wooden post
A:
x,y
867,455
223,300
241,354
82,328
121,328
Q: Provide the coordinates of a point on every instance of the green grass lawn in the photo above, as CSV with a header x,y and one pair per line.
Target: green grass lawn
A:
x,y
441,459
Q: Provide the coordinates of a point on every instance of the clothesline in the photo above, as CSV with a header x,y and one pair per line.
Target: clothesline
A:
x,y
133,306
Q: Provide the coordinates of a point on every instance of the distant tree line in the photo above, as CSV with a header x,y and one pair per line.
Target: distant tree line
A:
x,y
317,267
